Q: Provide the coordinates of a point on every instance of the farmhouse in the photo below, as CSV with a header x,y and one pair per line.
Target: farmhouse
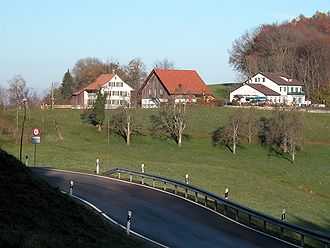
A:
x,y
274,88
180,85
118,92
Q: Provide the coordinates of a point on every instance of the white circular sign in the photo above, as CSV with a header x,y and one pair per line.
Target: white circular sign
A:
x,y
36,132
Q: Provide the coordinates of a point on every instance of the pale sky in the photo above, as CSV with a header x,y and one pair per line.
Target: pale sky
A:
x,y
41,39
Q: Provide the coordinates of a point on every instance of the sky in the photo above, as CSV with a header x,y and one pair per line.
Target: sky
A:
x,y
41,39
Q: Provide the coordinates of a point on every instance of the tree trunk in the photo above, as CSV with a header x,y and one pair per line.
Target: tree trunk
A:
x,y
180,139
99,128
58,132
234,147
128,134
293,156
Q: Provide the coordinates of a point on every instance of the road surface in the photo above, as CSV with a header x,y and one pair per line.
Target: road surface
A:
x,y
165,218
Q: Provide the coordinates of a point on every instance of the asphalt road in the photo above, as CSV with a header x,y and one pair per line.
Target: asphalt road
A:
x,y
162,217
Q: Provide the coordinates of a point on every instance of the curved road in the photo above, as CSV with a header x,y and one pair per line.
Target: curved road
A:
x,y
162,217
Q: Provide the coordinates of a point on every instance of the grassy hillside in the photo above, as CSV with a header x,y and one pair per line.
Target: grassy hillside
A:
x,y
255,176
33,214
221,91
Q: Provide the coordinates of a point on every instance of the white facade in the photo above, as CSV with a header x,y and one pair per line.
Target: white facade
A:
x,y
287,93
118,94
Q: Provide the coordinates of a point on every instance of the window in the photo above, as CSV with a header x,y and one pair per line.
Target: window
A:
x,y
119,84
115,102
296,89
291,89
259,80
115,93
255,80
280,89
287,89
263,80
284,88
300,89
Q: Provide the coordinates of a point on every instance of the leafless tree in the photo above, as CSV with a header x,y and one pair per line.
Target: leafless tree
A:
x,y
165,64
4,99
171,120
124,123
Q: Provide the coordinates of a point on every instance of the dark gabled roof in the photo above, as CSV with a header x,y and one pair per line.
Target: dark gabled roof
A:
x,y
278,78
264,90
180,81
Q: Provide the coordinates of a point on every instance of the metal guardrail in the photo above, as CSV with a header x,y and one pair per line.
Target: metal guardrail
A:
x,y
230,209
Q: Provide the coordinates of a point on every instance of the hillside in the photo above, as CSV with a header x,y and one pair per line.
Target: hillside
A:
x,y
33,214
221,91
253,169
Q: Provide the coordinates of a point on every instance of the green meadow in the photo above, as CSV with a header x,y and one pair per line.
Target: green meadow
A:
x,y
255,176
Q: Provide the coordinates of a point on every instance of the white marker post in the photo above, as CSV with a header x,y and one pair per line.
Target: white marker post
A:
x,y
142,168
97,166
71,188
226,193
283,215
129,218
187,179
26,159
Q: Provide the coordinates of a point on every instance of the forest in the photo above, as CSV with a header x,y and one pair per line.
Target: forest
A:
x,y
299,48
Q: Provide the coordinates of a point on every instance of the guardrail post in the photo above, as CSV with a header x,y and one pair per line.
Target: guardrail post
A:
x,y
281,232
142,180
186,180
118,175
265,226
165,186
186,192
226,193
225,209
153,183
205,201
26,159
129,218
215,205
236,215
196,196
302,241
71,188
249,220
176,189
130,177
97,169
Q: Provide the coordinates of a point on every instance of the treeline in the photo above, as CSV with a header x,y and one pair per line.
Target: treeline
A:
x,y
87,70
300,48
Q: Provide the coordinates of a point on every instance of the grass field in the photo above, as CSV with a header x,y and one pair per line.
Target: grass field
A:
x,y
255,177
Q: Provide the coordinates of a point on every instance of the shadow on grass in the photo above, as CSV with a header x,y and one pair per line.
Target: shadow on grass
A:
x,y
276,153
324,229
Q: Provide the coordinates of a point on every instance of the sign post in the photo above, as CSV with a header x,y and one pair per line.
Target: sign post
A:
x,y
35,139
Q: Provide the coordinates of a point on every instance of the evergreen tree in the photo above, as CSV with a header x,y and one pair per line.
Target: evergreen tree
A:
x,y
67,85
96,115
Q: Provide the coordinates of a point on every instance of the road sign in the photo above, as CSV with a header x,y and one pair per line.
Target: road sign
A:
x,y
35,139
36,132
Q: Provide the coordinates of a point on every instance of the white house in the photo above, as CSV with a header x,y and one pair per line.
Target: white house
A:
x,y
275,88
118,92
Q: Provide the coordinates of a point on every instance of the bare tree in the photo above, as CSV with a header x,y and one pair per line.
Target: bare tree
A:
x,y
4,99
124,123
284,131
135,73
171,120
232,133
165,64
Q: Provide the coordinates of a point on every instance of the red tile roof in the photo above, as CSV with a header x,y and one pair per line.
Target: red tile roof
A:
x,y
277,78
263,89
100,81
180,81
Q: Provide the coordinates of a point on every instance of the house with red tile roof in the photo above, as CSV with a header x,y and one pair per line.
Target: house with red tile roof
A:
x,y
181,85
118,92
274,88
